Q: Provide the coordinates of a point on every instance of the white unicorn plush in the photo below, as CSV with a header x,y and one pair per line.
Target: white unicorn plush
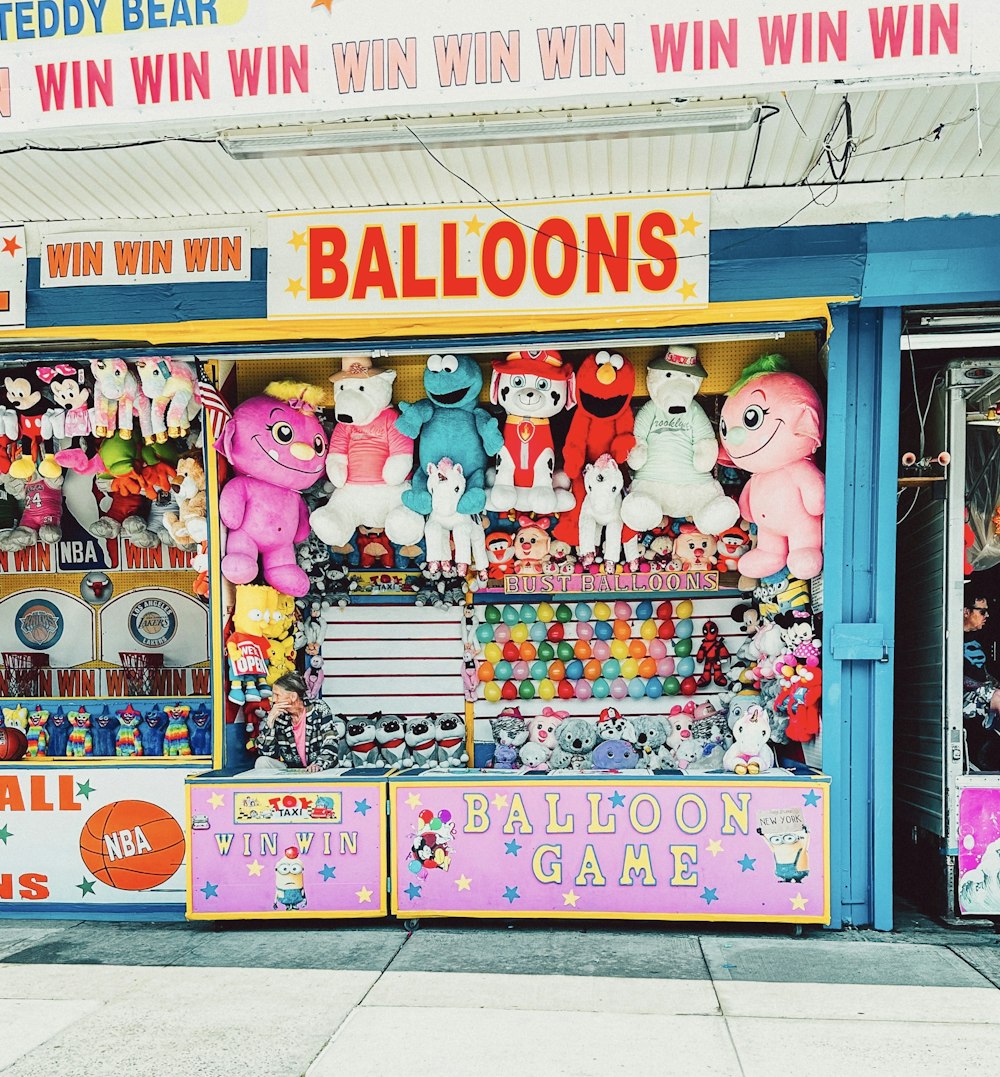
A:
x,y
750,752
446,525
601,511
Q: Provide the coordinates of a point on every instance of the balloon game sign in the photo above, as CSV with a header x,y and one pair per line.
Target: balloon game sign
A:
x,y
979,850
629,846
266,848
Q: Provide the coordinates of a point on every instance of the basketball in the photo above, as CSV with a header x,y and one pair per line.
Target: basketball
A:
x,y
132,845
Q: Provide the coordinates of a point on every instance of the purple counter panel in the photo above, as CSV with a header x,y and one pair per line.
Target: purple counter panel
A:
x,y
286,848
617,846
979,846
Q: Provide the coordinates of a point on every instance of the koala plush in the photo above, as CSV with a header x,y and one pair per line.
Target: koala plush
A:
x,y
650,741
576,739
390,732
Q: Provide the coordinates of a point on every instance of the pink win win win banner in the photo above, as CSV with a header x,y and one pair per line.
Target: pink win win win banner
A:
x,y
283,849
704,849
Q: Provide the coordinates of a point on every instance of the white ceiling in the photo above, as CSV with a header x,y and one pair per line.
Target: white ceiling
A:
x,y
894,131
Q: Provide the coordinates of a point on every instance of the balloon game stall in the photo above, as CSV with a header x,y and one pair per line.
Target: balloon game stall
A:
x,y
564,606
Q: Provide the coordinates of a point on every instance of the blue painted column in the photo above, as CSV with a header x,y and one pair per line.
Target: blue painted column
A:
x,y
859,607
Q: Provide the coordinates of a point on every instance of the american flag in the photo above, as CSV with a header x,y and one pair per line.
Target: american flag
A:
x,y
217,411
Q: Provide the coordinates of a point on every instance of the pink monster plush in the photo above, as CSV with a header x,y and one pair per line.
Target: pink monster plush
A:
x,y
771,425
277,447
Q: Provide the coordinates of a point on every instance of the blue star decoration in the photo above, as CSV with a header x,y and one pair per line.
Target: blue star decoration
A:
x,y
617,799
210,890
512,847
84,789
510,894
86,887
413,891
747,863
327,872
708,895
362,807
811,798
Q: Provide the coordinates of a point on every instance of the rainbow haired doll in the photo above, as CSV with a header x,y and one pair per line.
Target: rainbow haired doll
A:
x,y
178,738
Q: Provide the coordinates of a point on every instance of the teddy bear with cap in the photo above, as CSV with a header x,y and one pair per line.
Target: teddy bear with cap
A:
x,y
675,451
369,459
531,387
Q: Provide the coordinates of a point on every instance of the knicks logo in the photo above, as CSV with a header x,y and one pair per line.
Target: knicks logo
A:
x,y
38,624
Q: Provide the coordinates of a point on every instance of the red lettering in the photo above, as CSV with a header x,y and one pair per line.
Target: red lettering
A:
x,y
559,232
374,268
328,276
414,287
777,36
653,230
67,797
613,257
454,285
38,801
887,31
33,887
10,794
510,233
668,46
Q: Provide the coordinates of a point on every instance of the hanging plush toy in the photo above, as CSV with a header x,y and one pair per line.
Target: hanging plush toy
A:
x,y
23,390
116,392
105,729
450,423
187,526
369,459
247,647
154,731
71,419
601,425
772,424
81,741
712,652
169,398
601,512
200,724
531,387
128,741
277,447
675,451
447,524
57,729
37,737
177,741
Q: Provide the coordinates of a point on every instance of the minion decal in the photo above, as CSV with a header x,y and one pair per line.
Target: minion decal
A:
x,y
787,837
289,884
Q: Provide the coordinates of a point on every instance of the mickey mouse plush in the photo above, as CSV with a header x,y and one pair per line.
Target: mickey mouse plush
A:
x,y
23,391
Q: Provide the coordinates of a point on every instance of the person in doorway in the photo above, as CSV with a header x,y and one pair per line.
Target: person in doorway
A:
x,y
298,733
980,689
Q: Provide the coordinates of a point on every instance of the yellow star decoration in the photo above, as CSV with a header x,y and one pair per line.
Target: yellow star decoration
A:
x,y
255,868
299,240
364,895
474,227
799,902
413,800
463,883
687,291
571,899
216,800
295,286
499,801
328,4
715,847
689,224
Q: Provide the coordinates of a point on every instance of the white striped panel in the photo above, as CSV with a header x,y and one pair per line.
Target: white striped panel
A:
x,y
365,669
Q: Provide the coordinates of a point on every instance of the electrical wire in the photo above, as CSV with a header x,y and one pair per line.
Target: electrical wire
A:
x,y
913,504
756,143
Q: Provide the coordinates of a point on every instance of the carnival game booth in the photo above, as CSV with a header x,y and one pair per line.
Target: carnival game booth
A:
x,y
106,678
571,589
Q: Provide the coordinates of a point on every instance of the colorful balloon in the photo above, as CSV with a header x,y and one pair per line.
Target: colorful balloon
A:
x,y
666,630
504,671
526,690
510,615
546,689
619,688
664,611
527,652
689,686
630,668
582,611
623,611
492,653
520,671
492,615
682,647
685,608
602,652
564,650
539,670
563,613
636,688
636,649
671,686
546,652
581,649
574,669
685,628
528,613
654,688
583,691
622,630
502,633
601,688
647,668
592,670
556,632
510,651
491,692
566,689
644,610
585,630
602,611
509,690
545,613
657,649
665,667
484,633
486,671
604,630
648,629
611,669
685,667
620,649
557,671
519,633
537,632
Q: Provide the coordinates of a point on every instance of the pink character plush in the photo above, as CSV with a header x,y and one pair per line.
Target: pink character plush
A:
x,y
771,425
277,447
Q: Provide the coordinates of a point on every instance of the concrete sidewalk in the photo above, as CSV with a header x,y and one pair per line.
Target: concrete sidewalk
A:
x,y
175,999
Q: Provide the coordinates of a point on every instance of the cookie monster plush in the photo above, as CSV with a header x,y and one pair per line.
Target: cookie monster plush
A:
x,y
450,424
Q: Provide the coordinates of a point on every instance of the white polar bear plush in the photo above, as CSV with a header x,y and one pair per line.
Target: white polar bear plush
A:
x,y
675,452
750,752
369,459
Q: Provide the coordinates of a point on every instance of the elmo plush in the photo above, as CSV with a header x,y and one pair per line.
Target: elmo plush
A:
x,y
602,423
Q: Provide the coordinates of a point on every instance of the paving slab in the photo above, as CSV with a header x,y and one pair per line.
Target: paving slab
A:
x,y
820,1048
805,961
100,943
860,1002
321,948
19,935
98,982
549,1044
579,994
984,959
30,1022
218,1022
645,955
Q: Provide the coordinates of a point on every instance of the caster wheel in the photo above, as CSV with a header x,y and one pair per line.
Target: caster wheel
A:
x,y
411,925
